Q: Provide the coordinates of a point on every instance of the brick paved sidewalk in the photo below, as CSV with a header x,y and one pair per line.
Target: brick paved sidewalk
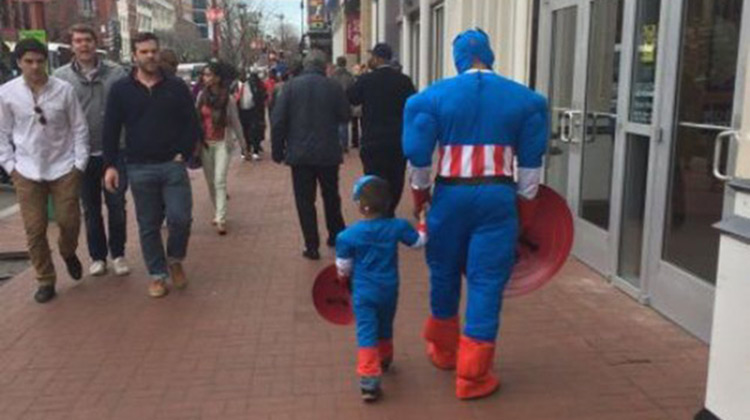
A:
x,y
243,342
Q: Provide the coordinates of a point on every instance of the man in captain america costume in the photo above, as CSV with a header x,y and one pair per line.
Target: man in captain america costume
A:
x,y
482,125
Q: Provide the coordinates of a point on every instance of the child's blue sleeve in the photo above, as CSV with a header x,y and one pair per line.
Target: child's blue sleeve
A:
x,y
409,236
344,246
344,254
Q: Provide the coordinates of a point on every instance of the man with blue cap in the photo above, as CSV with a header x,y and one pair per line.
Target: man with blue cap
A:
x,y
483,125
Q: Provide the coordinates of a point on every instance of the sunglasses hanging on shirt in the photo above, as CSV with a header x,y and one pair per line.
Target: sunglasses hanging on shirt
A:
x,y
42,118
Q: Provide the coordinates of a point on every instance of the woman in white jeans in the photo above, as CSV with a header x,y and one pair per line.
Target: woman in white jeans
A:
x,y
222,129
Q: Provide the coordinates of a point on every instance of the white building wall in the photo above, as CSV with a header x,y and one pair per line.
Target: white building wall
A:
x,y
145,16
338,28
122,13
507,22
164,15
729,359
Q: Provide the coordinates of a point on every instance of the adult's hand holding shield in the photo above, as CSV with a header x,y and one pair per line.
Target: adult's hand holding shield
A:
x,y
544,244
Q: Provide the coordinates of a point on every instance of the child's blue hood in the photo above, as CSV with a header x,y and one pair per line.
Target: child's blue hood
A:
x,y
470,45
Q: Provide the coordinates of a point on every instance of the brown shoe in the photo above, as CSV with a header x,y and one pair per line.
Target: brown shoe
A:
x,y
179,279
221,228
157,289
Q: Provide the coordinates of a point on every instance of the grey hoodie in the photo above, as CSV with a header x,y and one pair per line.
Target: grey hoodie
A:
x,y
92,94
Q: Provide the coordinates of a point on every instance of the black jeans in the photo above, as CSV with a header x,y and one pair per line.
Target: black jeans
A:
x,y
91,197
246,120
305,179
389,165
355,132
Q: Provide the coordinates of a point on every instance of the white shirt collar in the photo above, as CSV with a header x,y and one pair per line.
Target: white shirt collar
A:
x,y
479,71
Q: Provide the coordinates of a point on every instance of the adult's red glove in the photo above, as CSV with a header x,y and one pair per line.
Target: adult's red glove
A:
x,y
526,213
422,198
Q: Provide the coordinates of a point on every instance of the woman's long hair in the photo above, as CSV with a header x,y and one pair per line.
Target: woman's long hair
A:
x,y
216,100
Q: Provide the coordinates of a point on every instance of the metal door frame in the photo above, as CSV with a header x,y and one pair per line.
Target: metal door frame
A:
x,y
593,245
681,296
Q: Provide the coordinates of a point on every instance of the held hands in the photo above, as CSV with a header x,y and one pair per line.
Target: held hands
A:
x,y
111,180
422,221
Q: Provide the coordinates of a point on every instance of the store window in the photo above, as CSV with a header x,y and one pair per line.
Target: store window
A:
x,y
437,44
707,76
644,59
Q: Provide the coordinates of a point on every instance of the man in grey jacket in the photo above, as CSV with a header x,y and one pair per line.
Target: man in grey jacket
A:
x,y
92,79
304,134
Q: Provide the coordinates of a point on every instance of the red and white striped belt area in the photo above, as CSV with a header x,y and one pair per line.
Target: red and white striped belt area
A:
x,y
471,161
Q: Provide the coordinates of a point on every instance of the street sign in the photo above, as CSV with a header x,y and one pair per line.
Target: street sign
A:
x,y
38,34
316,16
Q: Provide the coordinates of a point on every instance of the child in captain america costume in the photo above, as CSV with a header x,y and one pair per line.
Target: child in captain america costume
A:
x,y
368,251
481,124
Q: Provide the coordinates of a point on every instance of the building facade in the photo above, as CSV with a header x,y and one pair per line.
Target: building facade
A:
x,y
164,15
145,16
646,97
199,17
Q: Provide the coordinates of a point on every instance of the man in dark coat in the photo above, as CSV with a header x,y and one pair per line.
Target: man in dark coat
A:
x,y
382,94
304,135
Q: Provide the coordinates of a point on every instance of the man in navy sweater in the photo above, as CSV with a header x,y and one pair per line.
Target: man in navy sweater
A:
x,y
161,129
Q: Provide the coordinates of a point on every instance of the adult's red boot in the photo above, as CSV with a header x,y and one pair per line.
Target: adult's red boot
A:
x,y
474,377
385,351
442,341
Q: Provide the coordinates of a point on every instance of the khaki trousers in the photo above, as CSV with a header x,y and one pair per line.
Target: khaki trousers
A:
x,y
32,199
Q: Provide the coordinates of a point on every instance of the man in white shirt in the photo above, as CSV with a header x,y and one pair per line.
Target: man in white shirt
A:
x,y
44,145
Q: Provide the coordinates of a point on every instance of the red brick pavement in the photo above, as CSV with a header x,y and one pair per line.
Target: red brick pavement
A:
x,y
243,341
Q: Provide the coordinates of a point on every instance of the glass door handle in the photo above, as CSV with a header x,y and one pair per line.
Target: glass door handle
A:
x,y
718,149
565,129
573,120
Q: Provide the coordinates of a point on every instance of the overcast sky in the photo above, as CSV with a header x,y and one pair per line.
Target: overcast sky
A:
x,y
289,8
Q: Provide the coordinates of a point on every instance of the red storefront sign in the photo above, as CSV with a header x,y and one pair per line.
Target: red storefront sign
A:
x,y
353,34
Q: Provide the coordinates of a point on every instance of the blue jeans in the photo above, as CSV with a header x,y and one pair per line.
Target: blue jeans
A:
x,y
91,197
159,190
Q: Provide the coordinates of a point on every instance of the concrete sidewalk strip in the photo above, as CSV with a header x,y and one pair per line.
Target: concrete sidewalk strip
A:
x,y
244,341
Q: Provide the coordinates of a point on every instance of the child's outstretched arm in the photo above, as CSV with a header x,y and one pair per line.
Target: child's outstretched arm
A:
x,y
416,238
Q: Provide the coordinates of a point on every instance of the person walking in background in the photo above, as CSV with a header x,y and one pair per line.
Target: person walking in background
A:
x,y
221,127
92,80
44,146
304,134
382,94
161,131
168,61
257,117
245,103
270,84
344,78
356,123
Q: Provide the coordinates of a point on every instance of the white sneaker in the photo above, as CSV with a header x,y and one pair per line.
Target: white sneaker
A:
x,y
121,266
98,268
256,156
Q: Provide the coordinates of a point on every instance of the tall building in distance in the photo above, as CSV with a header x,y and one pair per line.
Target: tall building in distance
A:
x,y
199,17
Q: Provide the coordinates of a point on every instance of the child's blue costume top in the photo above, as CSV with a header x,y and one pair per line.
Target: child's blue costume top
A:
x,y
483,125
372,247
